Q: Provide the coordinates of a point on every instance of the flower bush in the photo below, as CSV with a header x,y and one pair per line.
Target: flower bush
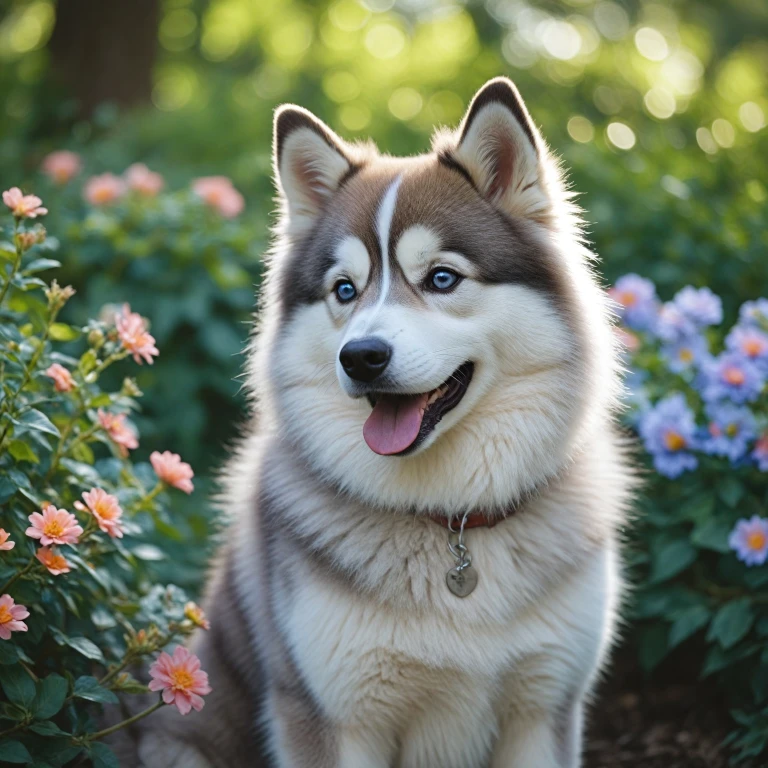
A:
x,y
698,399
79,605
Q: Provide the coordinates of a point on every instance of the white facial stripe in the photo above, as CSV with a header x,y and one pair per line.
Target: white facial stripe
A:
x,y
383,224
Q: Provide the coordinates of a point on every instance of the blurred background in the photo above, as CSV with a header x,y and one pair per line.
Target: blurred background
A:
x,y
657,108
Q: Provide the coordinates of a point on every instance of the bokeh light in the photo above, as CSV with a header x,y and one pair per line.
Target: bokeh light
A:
x,y
621,135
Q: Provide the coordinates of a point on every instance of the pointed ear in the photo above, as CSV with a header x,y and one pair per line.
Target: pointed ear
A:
x,y
499,146
310,161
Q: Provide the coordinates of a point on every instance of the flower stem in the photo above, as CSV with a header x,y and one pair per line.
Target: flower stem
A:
x,y
16,264
8,584
124,723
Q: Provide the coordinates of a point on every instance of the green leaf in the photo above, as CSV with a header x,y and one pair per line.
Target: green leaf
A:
x,y
80,644
51,693
730,490
82,452
732,622
82,471
39,265
100,401
88,361
14,752
47,728
103,757
88,688
18,685
22,452
687,623
713,535
34,419
63,332
653,645
671,559
9,653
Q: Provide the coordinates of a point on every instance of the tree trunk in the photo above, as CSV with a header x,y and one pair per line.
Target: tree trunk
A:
x,y
104,50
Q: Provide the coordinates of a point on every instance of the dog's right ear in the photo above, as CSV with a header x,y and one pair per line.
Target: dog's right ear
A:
x,y
310,161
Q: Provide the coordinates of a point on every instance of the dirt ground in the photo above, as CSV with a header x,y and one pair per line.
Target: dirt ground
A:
x,y
666,723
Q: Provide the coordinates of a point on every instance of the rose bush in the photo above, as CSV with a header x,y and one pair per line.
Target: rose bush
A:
x,y
80,521
698,399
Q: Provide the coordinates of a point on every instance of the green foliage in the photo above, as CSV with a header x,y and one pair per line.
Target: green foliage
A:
x,y
78,611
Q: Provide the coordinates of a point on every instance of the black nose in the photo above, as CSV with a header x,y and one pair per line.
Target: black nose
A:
x,y
365,359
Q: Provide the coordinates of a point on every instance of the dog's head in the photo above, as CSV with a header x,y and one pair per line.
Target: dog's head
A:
x,y
432,336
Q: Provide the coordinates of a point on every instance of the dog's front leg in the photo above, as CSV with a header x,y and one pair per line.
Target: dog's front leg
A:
x,y
538,739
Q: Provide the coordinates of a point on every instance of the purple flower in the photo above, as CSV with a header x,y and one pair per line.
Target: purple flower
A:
x,y
731,376
730,429
668,431
672,325
754,313
685,354
749,540
750,342
760,453
700,306
637,301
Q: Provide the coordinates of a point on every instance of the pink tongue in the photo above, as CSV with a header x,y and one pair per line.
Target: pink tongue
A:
x,y
394,423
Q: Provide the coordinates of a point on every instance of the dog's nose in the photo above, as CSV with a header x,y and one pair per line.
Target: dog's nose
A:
x,y
365,359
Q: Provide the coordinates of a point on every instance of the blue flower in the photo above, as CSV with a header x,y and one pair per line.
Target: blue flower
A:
x,y
730,429
760,453
637,301
672,325
685,354
700,306
749,540
750,342
668,431
754,313
731,376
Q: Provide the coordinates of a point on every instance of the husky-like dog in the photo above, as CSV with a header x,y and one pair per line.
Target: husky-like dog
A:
x,y
435,365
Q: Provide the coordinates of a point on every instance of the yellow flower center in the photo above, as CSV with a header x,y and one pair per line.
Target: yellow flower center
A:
x,y
753,347
686,355
627,298
103,510
5,614
103,195
757,540
53,529
734,376
674,441
182,679
732,430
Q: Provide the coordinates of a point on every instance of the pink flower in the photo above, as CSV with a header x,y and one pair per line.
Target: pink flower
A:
x,y
140,179
104,189
105,508
23,206
196,615
11,616
62,378
118,431
172,470
61,166
218,193
53,561
180,679
54,526
133,333
5,545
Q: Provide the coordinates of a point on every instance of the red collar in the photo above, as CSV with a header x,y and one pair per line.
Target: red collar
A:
x,y
474,520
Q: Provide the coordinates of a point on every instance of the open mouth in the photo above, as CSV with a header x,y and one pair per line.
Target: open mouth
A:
x,y
398,424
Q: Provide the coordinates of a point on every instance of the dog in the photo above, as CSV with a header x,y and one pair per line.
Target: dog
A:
x,y
421,567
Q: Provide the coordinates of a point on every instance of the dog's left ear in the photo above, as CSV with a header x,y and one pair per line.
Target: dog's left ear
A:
x,y
499,146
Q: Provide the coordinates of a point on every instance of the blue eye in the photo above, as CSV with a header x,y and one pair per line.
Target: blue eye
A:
x,y
442,279
345,291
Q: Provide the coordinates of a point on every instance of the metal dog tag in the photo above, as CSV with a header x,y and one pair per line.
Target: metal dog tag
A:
x,y
461,581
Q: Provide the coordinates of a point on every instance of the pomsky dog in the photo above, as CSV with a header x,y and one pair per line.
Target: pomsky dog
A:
x,y
421,567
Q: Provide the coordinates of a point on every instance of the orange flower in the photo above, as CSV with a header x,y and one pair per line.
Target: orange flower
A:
x,y
172,470
140,179
196,615
62,378
119,432
5,545
61,165
52,560
23,206
104,189
218,193
105,508
134,336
